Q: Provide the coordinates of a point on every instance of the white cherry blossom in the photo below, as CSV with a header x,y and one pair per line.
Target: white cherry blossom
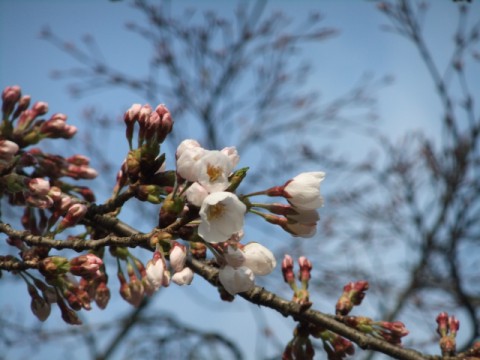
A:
x,y
214,167
222,215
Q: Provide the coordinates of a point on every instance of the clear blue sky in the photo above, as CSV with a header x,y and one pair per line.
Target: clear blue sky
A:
x,y
361,47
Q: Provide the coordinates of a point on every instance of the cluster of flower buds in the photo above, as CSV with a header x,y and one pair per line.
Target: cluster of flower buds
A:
x,y
40,186
301,347
388,331
30,128
353,294
301,294
154,126
64,290
447,329
336,346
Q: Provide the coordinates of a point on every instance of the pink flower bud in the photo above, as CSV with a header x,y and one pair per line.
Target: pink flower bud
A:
x,y
39,186
305,268
8,149
10,96
442,321
287,269
22,105
130,117
75,213
178,256
166,122
40,108
453,325
87,266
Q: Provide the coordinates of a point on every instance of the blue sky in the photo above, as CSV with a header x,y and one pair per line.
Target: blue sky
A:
x,y
361,47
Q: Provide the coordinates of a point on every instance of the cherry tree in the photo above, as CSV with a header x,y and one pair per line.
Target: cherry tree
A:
x,y
198,230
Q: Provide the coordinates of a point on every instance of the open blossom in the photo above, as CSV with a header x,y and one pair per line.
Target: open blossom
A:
x,y
236,280
303,191
214,167
222,215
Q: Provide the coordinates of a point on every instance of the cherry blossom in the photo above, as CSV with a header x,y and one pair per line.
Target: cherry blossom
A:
x,y
222,215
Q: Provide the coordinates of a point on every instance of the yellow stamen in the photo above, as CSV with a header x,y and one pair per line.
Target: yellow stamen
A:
x,y
215,211
213,172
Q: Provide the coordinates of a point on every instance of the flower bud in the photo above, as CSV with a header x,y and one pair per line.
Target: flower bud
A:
x,y
40,108
10,96
40,307
157,272
102,295
287,270
8,149
236,280
183,277
130,117
22,105
178,256
39,186
68,315
86,266
54,265
75,213
259,259
305,268
166,122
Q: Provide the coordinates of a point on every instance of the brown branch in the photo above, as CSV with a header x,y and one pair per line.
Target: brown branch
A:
x,y
262,297
132,240
12,264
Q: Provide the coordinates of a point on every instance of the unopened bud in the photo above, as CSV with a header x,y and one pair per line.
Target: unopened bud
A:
x,y
178,256
10,96
75,213
40,307
54,265
130,117
287,270
102,295
68,315
86,266
166,122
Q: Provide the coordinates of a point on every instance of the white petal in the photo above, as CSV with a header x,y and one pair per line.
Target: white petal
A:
x,y
236,280
258,258
183,277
